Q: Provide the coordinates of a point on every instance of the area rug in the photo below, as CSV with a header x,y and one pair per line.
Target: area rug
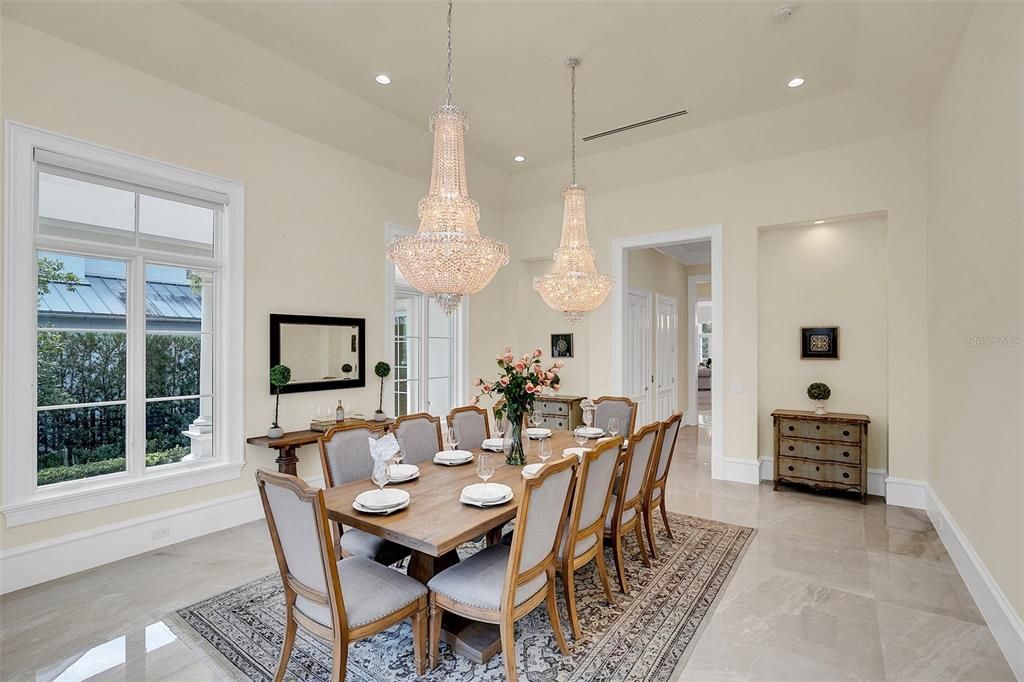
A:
x,y
643,637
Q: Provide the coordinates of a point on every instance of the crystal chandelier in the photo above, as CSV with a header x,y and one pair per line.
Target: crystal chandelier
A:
x,y
574,285
448,258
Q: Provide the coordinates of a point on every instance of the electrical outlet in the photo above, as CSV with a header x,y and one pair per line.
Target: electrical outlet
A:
x,y
737,388
162,532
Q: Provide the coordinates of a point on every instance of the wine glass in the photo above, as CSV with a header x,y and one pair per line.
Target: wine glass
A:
x,y
499,426
588,417
613,426
398,456
580,434
534,419
453,437
545,450
381,476
484,468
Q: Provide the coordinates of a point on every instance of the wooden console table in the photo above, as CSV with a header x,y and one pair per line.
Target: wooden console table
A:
x,y
287,444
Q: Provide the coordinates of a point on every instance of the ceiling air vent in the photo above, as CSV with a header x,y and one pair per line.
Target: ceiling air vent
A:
x,y
631,126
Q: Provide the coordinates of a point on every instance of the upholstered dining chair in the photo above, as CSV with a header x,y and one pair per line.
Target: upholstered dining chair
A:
x,y
345,457
419,435
625,506
471,421
338,601
583,538
500,584
654,491
608,406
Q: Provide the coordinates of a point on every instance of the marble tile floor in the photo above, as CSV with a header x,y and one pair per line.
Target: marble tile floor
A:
x,y
828,590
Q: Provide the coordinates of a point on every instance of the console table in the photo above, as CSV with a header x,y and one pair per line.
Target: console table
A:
x,y
287,444
822,450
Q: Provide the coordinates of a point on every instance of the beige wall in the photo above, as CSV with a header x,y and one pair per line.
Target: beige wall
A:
x,y
824,275
310,209
885,174
976,292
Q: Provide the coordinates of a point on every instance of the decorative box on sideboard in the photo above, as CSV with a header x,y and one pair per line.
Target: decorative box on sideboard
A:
x,y
822,451
560,412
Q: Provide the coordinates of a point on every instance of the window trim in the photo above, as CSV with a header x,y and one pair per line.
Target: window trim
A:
x,y
22,501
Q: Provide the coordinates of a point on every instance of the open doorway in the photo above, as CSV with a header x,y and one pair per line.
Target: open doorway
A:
x,y
667,342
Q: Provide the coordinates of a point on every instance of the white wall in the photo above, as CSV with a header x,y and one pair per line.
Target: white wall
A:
x,y
824,275
976,294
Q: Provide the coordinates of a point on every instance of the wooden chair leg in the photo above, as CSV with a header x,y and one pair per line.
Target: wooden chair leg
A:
x,y
339,659
286,646
620,566
419,638
640,541
649,527
568,579
556,625
602,572
664,517
436,614
508,648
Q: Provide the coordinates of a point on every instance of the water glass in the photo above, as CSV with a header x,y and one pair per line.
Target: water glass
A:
x,y
545,450
484,467
499,425
588,416
580,434
613,426
380,475
453,437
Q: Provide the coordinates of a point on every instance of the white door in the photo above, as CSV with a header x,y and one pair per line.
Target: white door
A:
x,y
637,349
666,357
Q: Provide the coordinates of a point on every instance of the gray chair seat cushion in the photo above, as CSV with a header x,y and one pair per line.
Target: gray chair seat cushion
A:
x,y
478,581
356,542
630,513
371,592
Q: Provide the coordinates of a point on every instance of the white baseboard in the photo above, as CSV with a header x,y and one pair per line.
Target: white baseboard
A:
x,y
876,477
39,562
740,470
1005,623
906,492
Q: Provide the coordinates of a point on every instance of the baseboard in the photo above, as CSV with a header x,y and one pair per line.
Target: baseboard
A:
x,y
906,492
740,470
39,562
876,477
1005,623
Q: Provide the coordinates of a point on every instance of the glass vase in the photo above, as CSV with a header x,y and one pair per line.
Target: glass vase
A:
x,y
516,455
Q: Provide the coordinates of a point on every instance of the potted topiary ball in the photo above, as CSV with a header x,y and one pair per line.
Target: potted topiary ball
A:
x,y
346,369
382,370
819,393
280,375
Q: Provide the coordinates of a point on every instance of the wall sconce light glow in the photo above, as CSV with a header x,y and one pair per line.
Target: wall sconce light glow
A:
x,y
519,158
819,222
383,79
796,82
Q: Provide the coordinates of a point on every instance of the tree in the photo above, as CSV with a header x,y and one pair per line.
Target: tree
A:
x,y
50,271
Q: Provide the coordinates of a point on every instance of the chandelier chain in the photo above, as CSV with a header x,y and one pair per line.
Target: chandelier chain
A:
x,y
450,3
572,121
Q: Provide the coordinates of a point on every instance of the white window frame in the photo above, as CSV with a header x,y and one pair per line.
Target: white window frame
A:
x,y
460,335
23,501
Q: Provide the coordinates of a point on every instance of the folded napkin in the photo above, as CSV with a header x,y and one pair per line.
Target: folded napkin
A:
x,y
383,449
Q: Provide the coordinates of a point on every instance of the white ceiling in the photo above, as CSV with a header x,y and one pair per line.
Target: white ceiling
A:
x,y
689,253
310,66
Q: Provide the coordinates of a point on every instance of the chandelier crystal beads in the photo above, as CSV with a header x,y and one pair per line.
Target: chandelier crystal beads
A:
x,y
447,257
574,285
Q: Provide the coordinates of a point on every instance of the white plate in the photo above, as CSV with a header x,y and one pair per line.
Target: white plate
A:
x,y
453,462
532,470
493,444
486,493
380,500
538,433
453,455
592,431
484,505
400,473
383,512
575,451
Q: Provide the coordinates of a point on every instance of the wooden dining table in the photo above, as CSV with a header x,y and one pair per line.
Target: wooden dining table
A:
x,y
435,523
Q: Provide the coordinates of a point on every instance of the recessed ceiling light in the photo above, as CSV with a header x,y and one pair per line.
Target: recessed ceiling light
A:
x,y
383,79
519,158
796,82
818,222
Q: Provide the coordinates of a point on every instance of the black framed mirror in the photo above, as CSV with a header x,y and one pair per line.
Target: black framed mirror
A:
x,y
323,353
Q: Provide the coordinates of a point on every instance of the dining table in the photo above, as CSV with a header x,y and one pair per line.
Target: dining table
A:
x,y
435,523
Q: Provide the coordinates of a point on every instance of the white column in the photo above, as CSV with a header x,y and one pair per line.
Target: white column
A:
x,y
201,430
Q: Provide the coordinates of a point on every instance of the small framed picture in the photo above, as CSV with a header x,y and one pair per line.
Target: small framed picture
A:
x,y
561,345
819,343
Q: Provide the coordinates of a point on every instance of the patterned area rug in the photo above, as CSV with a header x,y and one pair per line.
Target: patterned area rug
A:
x,y
643,637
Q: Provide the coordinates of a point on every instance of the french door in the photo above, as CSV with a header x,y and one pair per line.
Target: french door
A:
x,y
637,347
666,356
424,355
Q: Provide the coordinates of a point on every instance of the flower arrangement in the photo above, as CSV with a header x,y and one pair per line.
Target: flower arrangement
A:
x,y
520,382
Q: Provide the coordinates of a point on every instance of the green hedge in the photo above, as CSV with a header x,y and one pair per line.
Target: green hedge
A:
x,y
105,466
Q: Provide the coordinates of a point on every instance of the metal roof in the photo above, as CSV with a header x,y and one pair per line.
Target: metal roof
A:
x,y
107,297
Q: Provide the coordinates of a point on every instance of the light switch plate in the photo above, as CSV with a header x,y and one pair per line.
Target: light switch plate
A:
x,y
736,388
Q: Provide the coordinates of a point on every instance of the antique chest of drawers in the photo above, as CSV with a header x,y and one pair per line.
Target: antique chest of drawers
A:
x,y
822,450
559,412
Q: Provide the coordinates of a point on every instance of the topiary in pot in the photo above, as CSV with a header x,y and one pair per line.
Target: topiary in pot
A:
x,y
346,369
382,370
280,375
819,393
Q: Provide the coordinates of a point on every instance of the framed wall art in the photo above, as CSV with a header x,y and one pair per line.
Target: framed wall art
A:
x,y
819,343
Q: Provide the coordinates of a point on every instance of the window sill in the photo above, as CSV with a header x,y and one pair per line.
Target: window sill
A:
x,y
48,505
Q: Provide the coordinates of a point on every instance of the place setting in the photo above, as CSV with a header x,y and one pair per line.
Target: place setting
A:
x,y
383,500
485,494
453,456
544,453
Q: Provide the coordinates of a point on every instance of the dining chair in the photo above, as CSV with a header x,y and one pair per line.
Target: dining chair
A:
x,y
420,436
471,422
500,584
625,505
338,601
582,540
654,491
608,406
345,457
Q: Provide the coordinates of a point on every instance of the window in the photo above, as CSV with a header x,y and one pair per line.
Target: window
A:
x,y
703,337
123,283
